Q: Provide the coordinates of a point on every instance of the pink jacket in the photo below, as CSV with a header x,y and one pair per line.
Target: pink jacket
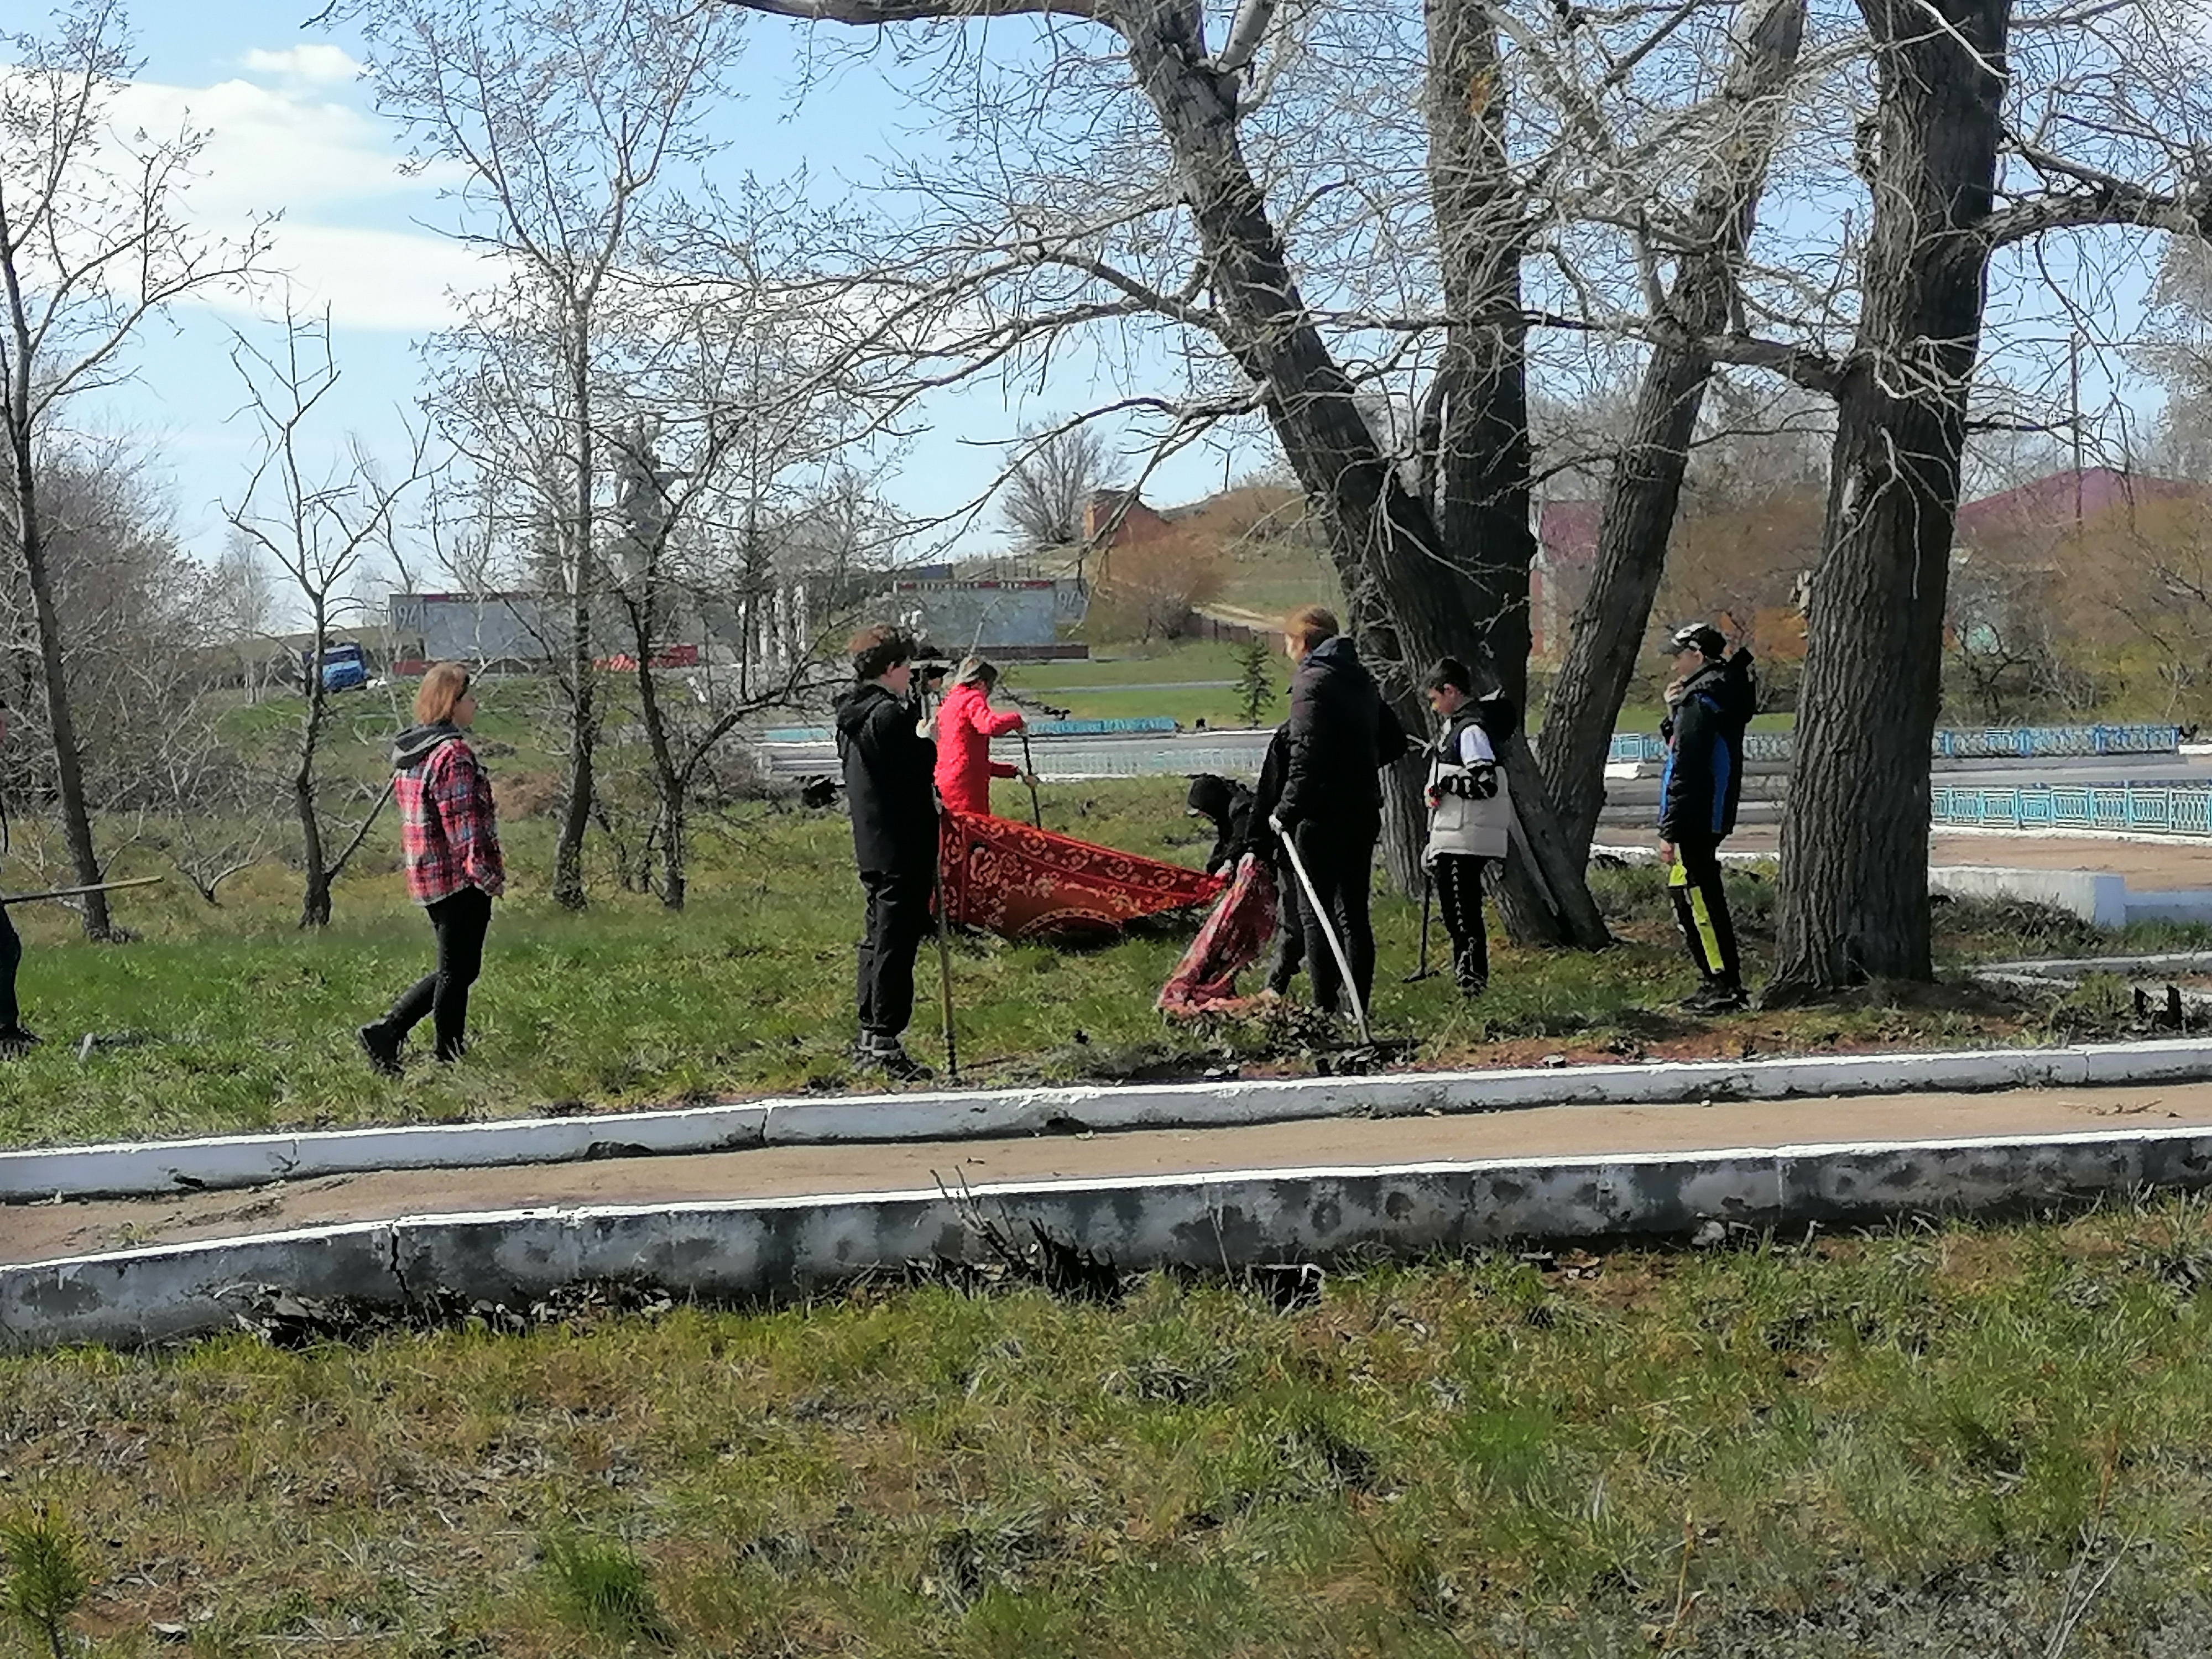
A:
x,y
965,725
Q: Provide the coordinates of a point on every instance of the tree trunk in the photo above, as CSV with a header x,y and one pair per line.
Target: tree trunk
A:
x,y
1644,489
68,759
1853,894
1412,595
671,783
315,903
576,807
1480,467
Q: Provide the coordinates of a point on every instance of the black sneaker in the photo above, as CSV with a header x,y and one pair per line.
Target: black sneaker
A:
x,y
1716,997
382,1050
1472,988
16,1041
899,1065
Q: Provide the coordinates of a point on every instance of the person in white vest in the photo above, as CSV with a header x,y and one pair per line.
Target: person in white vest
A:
x,y
1470,811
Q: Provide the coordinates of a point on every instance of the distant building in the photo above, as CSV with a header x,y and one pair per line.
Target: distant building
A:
x,y
1012,618
510,630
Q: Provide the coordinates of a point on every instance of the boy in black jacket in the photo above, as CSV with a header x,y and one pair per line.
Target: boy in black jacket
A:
x,y
889,766
1711,702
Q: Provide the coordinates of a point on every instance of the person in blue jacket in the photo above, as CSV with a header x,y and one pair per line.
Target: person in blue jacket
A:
x,y
1709,705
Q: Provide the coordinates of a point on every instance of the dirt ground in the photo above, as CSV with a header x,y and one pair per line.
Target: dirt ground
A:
x,y
43,1231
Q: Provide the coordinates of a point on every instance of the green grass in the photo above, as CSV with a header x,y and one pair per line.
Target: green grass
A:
x,y
231,1019
1931,1441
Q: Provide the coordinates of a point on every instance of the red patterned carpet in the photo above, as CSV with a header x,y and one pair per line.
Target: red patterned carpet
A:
x,y
1205,980
1026,884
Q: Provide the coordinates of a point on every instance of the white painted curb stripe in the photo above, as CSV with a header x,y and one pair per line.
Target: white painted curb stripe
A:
x,y
154,1168
1222,1219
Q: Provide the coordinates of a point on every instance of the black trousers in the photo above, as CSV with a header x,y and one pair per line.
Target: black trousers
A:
x,y
461,923
1290,931
1701,910
1339,859
897,919
11,954
1458,877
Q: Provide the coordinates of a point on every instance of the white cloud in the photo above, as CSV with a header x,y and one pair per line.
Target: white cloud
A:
x,y
346,233
318,62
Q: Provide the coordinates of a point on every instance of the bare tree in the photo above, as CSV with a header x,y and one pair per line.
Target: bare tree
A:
x,y
318,526
1414,590
563,120
1045,494
1989,132
1643,492
92,241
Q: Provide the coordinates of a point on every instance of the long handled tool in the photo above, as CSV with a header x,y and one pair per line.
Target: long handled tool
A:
x,y
7,899
945,967
1428,891
1328,932
1029,771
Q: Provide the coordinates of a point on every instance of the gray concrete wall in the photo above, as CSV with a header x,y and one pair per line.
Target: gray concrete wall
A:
x,y
1219,1221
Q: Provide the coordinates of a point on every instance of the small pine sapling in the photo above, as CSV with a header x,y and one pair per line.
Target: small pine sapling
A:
x,y
1256,687
46,1581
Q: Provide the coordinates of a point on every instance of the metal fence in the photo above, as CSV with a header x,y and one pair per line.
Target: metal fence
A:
x,y
2145,808
1989,742
1148,725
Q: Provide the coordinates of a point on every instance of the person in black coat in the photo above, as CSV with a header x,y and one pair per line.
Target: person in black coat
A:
x,y
889,789
1710,704
1339,736
14,1039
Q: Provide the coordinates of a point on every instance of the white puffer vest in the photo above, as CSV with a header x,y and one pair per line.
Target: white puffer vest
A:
x,y
1465,822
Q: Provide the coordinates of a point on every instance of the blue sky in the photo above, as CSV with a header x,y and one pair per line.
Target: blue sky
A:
x,y
293,132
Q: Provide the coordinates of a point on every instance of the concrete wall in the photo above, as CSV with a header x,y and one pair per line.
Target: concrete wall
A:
x,y
1220,1221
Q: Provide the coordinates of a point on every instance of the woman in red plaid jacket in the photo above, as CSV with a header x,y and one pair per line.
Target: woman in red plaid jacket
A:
x,y
450,843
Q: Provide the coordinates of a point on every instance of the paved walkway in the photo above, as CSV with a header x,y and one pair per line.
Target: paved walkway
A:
x,y
2148,865
42,1232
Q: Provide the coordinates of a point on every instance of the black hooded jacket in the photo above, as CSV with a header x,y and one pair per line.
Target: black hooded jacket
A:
x,y
1704,777
889,787
1228,805
1341,735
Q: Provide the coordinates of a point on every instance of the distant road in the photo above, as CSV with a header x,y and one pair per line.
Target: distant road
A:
x,y
1235,753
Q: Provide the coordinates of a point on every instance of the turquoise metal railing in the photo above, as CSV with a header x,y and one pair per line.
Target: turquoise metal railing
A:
x,y
1990,743
2170,809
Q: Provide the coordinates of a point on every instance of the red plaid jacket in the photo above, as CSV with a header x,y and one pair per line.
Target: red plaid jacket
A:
x,y
448,831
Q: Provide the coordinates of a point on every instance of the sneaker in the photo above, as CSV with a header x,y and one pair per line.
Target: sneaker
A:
x,y
898,1066
1716,997
1473,988
382,1051
16,1041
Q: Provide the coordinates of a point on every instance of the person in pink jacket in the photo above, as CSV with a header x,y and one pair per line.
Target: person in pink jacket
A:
x,y
966,723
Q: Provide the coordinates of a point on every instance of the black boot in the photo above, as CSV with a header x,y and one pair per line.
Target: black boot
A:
x,y
381,1047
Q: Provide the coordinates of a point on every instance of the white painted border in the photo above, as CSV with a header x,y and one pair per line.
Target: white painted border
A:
x,y
157,1168
1223,1220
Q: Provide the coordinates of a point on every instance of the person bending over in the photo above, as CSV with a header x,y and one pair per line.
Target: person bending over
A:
x,y
888,768
1710,704
1470,812
1339,736
1227,805
449,837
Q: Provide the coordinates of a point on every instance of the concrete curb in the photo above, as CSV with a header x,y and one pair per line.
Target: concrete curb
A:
x,y
774,1248
156,1168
